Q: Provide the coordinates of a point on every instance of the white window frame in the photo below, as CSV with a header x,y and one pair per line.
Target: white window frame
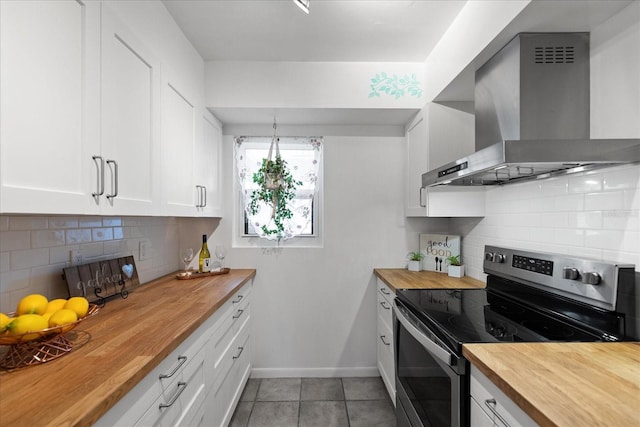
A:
x,y
242,240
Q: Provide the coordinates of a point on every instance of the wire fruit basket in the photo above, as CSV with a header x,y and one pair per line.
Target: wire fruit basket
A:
x,y
32,348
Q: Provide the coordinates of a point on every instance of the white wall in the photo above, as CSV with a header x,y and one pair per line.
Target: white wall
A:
x,y
314,309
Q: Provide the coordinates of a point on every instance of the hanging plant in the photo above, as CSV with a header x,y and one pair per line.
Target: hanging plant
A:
x,y
276,188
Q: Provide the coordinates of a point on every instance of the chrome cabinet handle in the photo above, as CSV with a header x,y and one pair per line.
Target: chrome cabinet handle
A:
x,y
382,337
239,314
199,201
421,205
237,300
491,405
384,305
181,387
115,180
204,194
239,353
99,176
182,360
385,291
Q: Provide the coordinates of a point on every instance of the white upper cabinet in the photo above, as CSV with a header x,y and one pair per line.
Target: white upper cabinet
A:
x,y
178,151
209,165
130,121
440,134
49,112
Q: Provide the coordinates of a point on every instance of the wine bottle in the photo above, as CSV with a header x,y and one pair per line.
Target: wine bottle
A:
x,y
205,256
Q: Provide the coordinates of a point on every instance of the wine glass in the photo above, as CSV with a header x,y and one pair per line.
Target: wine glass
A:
x,y
186,255
221,252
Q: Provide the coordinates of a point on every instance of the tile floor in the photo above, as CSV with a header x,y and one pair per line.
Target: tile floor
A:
x,y
310,402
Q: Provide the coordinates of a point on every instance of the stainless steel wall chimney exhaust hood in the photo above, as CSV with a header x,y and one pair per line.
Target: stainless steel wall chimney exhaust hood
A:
x,y
532,116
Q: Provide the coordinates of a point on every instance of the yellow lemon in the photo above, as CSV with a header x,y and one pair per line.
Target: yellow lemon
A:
x,y
62,317
32,304
4,321
78,304
47,315
55,305
27,323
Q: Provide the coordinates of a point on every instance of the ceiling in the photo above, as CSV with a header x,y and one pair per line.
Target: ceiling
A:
x,y
355,31
334,30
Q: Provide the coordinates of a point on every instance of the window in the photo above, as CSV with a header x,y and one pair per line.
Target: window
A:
x,y
303,159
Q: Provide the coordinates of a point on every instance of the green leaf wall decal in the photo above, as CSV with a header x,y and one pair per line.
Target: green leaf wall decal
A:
x,y
394,86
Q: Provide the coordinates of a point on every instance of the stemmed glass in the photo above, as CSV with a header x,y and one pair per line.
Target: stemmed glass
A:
x,y
221,252
186,255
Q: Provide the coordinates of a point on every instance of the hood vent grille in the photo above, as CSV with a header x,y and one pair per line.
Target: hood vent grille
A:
x,y
554,54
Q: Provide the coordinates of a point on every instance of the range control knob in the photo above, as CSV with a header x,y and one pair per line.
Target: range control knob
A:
x,y
488,256
591,278
570,273
499,258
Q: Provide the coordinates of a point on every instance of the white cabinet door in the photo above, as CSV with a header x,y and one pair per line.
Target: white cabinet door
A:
x,y
209,165
130,121
178,152
440,134
386,363
49,108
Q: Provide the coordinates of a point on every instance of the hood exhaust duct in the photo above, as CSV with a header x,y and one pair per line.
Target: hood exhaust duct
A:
x,y
532,110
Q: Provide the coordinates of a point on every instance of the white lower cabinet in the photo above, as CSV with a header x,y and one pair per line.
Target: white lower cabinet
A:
x,y
491,407
200,382
386,364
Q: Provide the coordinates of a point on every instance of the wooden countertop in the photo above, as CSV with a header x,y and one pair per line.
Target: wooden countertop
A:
x,y
117,348
401,278
566,384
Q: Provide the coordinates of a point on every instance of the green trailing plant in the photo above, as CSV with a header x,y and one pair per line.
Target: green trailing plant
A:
x,y
276,188
454,260
415,256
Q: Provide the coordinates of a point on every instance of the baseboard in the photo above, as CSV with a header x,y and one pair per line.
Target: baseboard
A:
x,y
314,372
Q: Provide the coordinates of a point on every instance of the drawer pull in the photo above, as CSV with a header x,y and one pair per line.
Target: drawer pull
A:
x,y
237,300
384,305
181,387
385,291
239,314
491,404
239,353
382,337
182,360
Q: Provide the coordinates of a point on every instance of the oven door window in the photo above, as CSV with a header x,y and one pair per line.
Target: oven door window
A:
x,y
430,390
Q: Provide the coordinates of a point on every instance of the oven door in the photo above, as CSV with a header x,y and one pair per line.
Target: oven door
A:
x,y
431,385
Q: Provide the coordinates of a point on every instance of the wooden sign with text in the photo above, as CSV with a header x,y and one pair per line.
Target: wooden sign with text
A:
x,y
101,280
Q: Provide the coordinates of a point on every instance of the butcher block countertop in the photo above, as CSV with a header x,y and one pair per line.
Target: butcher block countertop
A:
x,y
566,384
113,351
401,278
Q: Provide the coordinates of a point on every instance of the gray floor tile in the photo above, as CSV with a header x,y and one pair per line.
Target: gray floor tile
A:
x,y
370,388
250,390
322,389
271,414
323,414
370,413
241,415
279,389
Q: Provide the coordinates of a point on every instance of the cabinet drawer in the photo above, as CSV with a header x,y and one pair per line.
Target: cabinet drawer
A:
x,y
385,309
385,291
237,314
179,402
493,401
386,364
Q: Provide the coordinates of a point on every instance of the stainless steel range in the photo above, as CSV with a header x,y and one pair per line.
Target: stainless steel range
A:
x,y
530,297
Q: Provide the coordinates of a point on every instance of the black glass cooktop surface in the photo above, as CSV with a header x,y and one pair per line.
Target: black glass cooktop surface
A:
x,y
459,316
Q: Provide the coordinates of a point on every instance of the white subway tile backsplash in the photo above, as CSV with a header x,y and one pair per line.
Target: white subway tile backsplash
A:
x,y
568,202
622,178
15,240
101,234
554,219
605,239
552,187
34,249
612,200
29,258
63,222
28,223
621,220
585,183
47,238
632,199
78,235
569,237
591,219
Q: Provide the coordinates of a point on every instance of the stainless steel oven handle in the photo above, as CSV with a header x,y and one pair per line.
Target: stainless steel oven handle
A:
x,y
433,348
